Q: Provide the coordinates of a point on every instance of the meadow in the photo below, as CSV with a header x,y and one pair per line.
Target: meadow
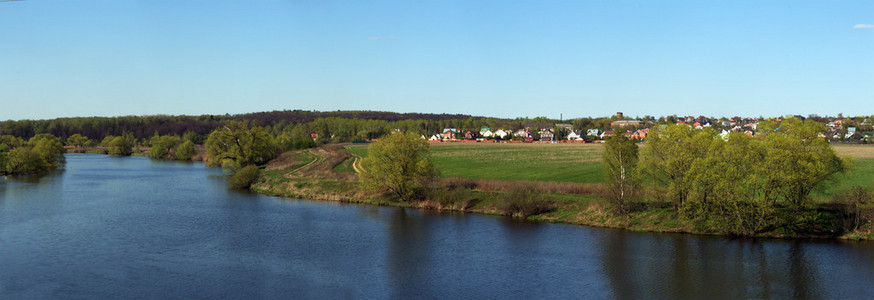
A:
x,y
581,163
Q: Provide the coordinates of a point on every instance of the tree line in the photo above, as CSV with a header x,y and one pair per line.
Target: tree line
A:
x,y
731,183
338,126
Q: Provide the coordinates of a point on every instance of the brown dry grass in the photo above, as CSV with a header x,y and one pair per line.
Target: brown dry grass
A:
x,y
855,151
284,161
547,187
327,157
516,152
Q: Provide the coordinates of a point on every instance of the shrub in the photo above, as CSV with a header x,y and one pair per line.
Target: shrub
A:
x,y
243,178
185,151
525,200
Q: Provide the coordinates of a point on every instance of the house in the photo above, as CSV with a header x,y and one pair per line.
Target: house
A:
x,y
501,133
638,134
522,133
423,137
575,135
486,131
606,133
470,135
546,135
593,132
449,133
435,137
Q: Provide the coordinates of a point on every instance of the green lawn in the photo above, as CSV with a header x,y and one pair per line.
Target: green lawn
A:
x,y
345,166
545,162
580,162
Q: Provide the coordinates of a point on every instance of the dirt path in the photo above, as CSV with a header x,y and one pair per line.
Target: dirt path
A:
x,y
296,172
355,162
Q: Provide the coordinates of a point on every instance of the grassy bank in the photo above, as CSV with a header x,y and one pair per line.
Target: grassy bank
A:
x,y
478,178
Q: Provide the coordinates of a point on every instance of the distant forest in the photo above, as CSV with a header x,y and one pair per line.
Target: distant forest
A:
x,y
143,127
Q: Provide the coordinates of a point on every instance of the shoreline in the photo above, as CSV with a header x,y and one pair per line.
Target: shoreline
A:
x,y
559,215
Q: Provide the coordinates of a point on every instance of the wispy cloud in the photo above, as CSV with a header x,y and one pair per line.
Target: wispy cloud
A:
x,y
864,26
378,38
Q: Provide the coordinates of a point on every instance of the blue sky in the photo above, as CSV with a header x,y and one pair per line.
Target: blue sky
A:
x,y
493,58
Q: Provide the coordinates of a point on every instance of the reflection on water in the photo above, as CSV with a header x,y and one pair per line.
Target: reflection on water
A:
x,y
135,228
669,266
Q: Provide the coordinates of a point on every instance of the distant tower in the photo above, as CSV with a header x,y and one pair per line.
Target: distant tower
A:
x,y
619,114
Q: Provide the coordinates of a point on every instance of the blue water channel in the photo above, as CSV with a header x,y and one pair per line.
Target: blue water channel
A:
x,y
134,228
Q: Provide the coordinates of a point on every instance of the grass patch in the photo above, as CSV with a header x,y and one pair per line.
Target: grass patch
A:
x,y
345,166
541,162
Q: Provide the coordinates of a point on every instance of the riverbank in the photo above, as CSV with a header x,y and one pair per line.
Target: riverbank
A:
x,y
328,174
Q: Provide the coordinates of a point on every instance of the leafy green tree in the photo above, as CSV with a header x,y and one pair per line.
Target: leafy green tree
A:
x,y
24,160
4,157
798,160
50,148
244,177
121,146
620,163
107,140
726,184
78,140
236,145
162,145
397,163
7,142
185,150
667,157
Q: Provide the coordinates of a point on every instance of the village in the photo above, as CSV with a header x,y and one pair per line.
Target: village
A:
x,y
851,130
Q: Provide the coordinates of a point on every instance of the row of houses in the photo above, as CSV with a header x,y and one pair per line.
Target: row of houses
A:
x,y
543,135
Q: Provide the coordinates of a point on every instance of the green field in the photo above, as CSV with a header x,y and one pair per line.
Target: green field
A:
x,y
580,162
545,162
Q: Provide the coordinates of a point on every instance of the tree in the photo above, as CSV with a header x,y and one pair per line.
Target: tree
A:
x,y
162,145
24,160
244,177
397,163
78,140
49,148
121,145
797,160
185,150
620,163
237,144
668,154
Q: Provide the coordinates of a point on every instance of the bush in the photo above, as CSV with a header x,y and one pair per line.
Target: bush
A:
x,y
243,178
185,151
525,200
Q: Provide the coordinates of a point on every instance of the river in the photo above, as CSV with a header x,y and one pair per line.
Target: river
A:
x,y
110,227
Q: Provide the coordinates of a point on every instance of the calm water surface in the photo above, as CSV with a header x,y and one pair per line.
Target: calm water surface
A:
x,y
134,228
